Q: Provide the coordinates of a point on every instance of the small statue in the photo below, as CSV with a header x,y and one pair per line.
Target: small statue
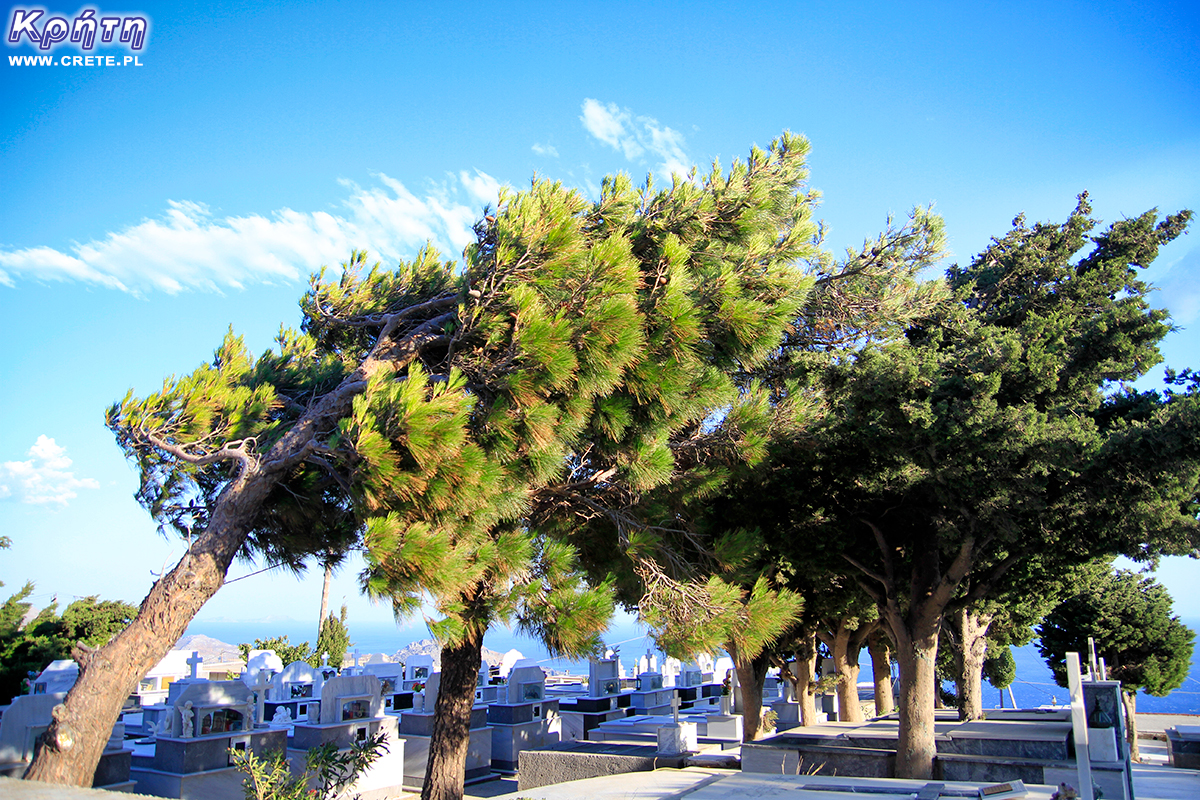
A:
x,y
282,717
186,729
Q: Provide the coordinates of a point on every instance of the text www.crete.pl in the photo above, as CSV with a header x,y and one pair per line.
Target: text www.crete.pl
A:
x,y
75,61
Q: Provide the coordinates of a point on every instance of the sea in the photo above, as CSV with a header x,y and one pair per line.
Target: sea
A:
x,y
1034,685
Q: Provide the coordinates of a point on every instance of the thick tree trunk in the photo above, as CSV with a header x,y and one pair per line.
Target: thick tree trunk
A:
x,y
446,769
70,749
1129,700
971,630
806,681
845,644
751,675
916,652
880,649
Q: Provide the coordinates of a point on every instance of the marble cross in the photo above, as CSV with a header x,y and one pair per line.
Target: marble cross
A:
x,y
261,681
675,706
194,662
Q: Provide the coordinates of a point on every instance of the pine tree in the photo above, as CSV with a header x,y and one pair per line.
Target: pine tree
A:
x,y
459,414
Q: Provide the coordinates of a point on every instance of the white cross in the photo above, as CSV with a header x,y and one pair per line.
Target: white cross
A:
x,y
324,659
675,706
356,658
261,681
194,662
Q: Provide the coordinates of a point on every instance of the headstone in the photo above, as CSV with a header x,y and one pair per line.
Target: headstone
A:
x,y
417,669
351,697
262,660
603,678
508,661
260,687
525,719
57,678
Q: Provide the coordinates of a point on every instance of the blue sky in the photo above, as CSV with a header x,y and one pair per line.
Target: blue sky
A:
x,y
145,209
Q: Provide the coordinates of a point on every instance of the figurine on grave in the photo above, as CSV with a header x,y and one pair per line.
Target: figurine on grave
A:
x,y
282,717
164,726
186,728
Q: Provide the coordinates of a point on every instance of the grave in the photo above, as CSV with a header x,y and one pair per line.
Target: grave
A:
x,y
57,678
416,729
526,719
601,703
29,716
651,698
351,710
296,690
1183,746
391,678
417,670
190,754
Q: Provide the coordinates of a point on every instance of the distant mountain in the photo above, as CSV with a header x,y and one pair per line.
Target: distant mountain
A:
x,y
210,649
431,648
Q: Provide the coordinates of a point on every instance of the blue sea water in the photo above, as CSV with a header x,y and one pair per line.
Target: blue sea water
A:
x,y
1034,685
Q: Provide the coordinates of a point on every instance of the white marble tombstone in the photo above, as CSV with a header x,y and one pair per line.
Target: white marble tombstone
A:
x,y
690,675
417,669
209,708
351,697
603,678
670,671
57,678
260,660
297,681
526,683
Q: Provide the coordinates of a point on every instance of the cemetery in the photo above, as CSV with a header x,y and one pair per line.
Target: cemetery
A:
x,y
574,728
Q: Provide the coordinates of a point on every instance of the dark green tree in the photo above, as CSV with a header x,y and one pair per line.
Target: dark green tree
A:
x,y
1129,616
994,430
27,650
333,639
287,652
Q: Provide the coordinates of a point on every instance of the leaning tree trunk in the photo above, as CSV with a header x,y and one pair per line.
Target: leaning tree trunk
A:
x,y
751,675
1129,700
445,772
972,632
880,649
70,749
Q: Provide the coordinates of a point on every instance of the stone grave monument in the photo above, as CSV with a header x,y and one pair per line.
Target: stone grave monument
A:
x,y
297,690
601,703
28,716
416,729
524,719
191,754
351,710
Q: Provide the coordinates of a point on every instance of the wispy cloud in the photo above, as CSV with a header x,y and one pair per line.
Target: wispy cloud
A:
x,y
545,149
45,479
190,248
636,136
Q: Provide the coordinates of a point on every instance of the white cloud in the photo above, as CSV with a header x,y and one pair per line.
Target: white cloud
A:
x,y
189,248
45,478
545,149
483,187
636,135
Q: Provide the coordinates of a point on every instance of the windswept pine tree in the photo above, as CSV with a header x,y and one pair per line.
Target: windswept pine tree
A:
x,y
576,361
